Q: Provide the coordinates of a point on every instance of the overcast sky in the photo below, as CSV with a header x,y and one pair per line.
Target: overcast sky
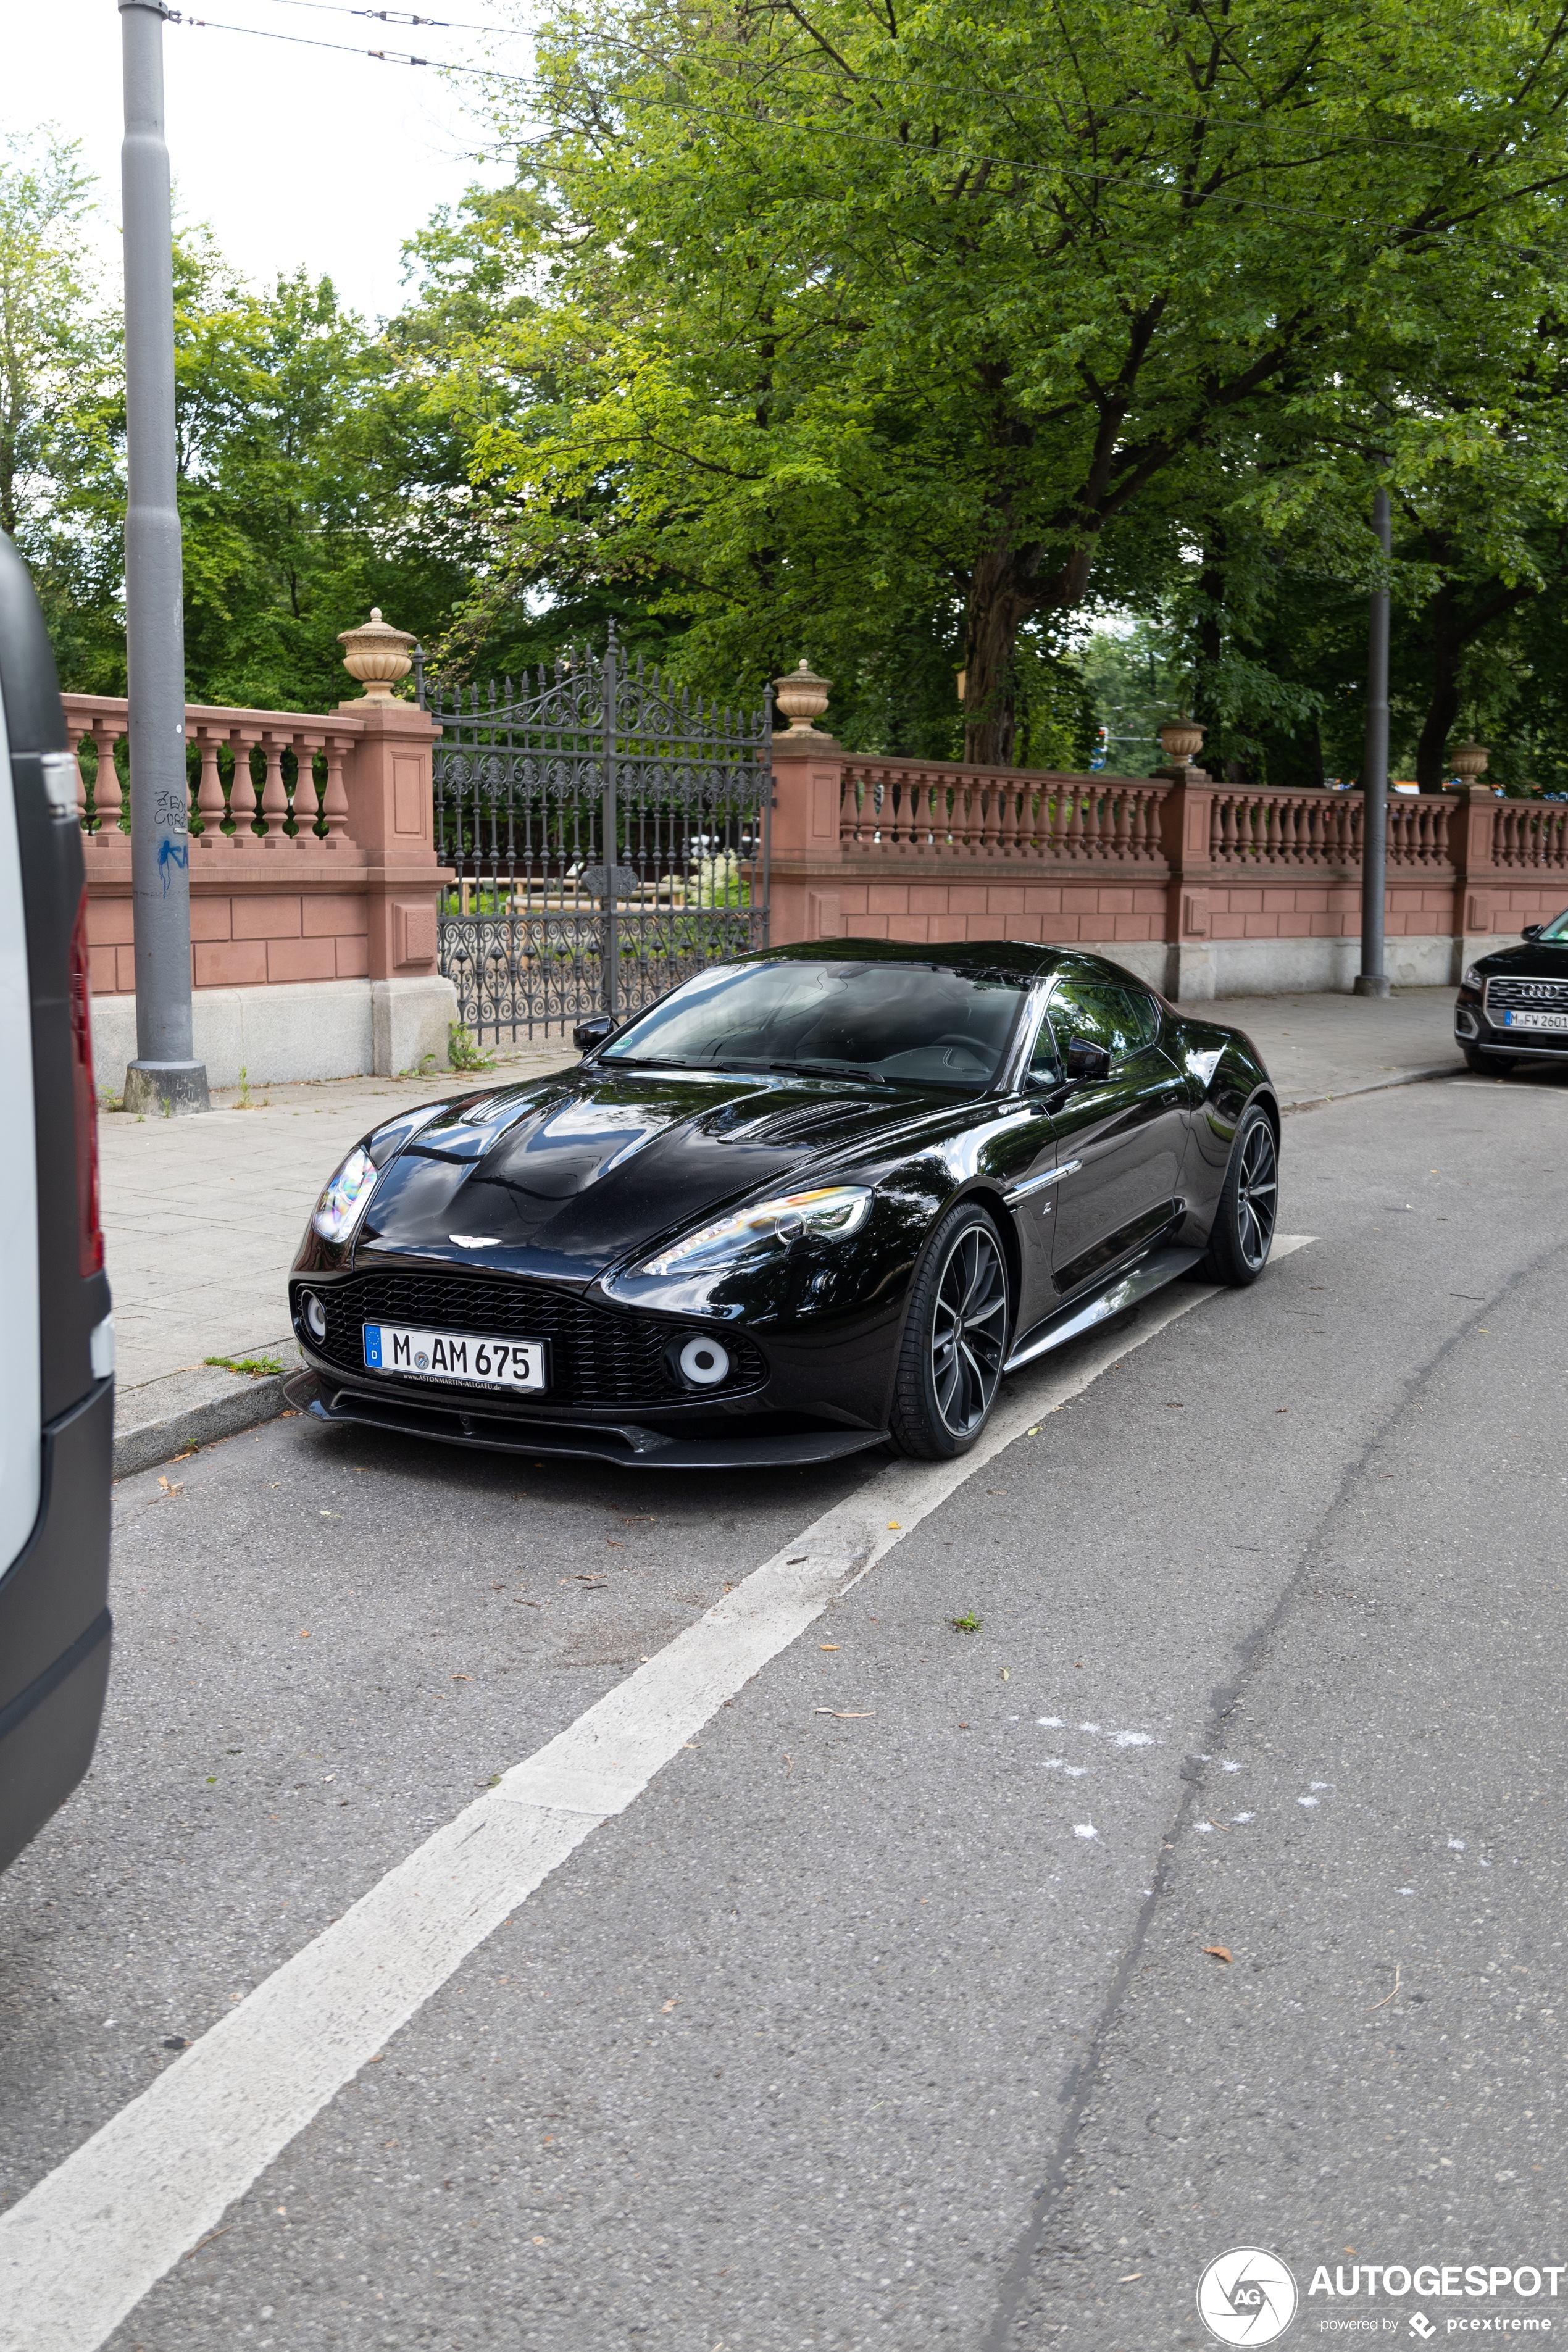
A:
x,y
291,154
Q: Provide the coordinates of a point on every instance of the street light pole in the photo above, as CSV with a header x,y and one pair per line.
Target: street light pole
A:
x,y
164,1077
1372,980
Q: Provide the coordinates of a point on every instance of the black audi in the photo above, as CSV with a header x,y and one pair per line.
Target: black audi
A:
x,y
815,1198
1513,1006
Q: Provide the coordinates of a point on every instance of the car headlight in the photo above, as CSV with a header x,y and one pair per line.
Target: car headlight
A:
x,y
1474,978
829,1213
342,1204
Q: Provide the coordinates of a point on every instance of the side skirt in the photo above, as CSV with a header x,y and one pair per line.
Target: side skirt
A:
x,y
1069,1322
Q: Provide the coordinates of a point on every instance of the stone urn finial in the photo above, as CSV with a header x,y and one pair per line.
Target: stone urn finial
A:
x,y
1181,740
802,696
376,655
1469,762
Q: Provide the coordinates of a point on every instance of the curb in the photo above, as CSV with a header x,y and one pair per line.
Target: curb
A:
x,y
1376,1086
165,1417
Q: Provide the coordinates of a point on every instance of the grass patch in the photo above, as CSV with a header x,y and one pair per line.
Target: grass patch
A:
x,y
260,1367
968,1623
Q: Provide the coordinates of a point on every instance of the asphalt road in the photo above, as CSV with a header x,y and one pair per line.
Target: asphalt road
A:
x,y
891,2025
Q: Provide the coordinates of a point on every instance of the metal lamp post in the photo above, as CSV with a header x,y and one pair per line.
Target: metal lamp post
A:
x,y
1372,980
165,1077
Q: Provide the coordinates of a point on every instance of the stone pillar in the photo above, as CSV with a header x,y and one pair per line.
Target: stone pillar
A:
x,y
1185,818
806,856
1472,828
388,781
808,770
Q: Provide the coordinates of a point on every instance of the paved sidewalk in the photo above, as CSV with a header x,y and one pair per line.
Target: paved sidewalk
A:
x,y
202,1218
202,1215
1321,1048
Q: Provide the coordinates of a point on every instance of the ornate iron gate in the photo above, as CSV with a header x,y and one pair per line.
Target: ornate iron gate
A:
x,y
607,836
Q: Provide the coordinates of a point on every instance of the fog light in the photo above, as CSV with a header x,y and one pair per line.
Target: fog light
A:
x,y
315,1315
703,1363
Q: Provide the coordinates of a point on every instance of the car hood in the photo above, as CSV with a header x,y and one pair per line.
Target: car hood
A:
x,y
569,1176
1531,960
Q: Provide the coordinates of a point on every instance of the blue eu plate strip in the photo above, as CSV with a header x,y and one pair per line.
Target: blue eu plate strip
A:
x,y
373,1346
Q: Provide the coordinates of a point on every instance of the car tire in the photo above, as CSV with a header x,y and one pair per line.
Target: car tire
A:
x,y
1485,1065
955,1340
1243,1229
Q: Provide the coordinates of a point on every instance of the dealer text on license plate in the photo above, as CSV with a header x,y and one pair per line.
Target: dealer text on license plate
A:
x,y
455,1356
1528,1018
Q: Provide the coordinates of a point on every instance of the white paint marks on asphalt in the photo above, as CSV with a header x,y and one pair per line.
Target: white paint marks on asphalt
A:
x,y
1084,1829
80,2250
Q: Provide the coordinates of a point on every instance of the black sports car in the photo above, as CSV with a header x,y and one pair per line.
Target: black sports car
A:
x,y
815,1198
1513,1006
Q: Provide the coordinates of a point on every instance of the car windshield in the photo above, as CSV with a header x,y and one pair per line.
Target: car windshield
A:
x,y
1557,929
897,1024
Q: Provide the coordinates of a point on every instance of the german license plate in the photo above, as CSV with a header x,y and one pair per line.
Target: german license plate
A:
x,y
1526,1017
455,1356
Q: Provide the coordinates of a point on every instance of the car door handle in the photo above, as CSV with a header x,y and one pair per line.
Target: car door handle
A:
x,y
1038,1183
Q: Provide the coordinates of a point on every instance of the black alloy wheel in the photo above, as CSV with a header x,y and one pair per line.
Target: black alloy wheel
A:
x,y
1243,1229
955,1339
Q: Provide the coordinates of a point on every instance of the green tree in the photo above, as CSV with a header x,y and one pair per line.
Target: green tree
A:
x,y
59,353
314,483
836,313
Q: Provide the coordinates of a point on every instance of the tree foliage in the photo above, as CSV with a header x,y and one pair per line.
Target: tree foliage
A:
x,y
839,314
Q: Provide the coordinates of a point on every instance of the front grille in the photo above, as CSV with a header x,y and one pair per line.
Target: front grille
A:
x,y
1520,995
598,1355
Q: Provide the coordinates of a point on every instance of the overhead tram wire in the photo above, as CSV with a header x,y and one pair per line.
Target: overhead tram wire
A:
x,y
403,16
342,48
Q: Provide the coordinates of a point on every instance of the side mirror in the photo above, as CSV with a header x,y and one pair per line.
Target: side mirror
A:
x,y
1530,931
592,1033
1088,1062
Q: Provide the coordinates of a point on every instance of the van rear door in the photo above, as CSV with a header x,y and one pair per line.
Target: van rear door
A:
x,y
57,1386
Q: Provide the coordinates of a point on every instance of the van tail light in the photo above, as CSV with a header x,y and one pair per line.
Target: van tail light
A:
x,y
90,1228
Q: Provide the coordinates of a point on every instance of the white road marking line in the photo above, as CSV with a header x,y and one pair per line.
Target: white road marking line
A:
x,y
80,2251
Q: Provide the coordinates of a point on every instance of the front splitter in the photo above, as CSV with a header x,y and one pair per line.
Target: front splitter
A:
x,y
628,1442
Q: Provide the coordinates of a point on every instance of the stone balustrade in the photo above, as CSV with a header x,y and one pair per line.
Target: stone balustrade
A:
x,y
314,888
1204,888
908,807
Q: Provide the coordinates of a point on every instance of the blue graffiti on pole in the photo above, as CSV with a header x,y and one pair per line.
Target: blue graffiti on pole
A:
x,y
171,853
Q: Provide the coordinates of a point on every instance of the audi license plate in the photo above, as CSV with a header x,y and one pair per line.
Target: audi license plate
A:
x,y
455,1356
1526,1017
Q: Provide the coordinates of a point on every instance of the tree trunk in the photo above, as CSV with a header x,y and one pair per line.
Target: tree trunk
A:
x,y
991,623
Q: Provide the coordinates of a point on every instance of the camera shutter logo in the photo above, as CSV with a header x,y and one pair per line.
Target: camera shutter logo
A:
x,y
1247,2296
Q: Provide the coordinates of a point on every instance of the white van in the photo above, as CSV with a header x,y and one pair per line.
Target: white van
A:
x,y
56,1338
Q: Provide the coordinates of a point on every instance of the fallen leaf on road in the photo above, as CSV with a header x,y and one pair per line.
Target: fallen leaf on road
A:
x,y
667,2007
892,1523
1218,1952
173,1486
462,1678
827,1645
864,1714
304,1632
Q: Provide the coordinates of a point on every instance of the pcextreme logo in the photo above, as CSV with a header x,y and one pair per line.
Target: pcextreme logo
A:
x,y
1248,2296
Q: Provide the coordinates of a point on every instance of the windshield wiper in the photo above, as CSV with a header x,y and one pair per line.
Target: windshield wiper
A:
x,y
812,1070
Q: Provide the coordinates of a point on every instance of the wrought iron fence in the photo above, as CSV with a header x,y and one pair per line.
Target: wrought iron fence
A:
x,y
607,836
